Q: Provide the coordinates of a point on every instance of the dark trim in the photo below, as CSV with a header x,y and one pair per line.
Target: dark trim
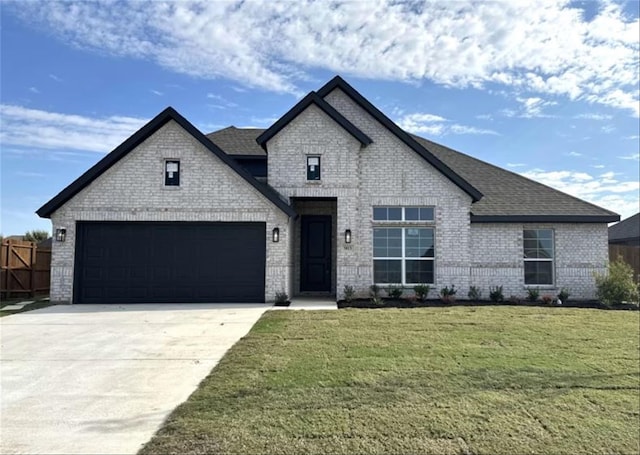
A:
x,y
136,139
338,82
544,218
312,98
248,157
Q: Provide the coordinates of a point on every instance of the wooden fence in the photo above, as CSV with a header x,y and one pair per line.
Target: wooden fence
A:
x,y
25,269
630,254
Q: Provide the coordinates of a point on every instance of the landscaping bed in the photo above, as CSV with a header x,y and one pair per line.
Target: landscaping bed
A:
x,y
411,303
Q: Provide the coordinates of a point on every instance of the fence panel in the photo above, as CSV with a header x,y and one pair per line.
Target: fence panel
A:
x,y
630,254
24,268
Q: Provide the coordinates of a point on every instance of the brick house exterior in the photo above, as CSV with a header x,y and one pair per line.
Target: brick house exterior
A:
x,y
342,196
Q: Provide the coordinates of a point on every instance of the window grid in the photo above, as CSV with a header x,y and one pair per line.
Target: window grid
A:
x,y
539,257
410,214
403,258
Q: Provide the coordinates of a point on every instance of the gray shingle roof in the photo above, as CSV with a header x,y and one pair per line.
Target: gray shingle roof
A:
x,y
626,229
506,195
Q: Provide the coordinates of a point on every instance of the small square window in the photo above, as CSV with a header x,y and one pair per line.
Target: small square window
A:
x,y
313,168
172,173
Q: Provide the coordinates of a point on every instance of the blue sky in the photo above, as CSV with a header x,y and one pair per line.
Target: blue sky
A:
x,y
545,89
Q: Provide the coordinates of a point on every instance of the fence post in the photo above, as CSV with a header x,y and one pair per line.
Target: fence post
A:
x,y
8,269
32,284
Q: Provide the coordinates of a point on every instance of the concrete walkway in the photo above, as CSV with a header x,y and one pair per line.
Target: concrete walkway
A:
x,y
101,379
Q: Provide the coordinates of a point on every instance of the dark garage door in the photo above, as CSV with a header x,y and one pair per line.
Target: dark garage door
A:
x,y
119,262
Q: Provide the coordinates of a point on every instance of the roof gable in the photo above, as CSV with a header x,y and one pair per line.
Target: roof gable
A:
x,y
136,139
312,98
338,82
628,229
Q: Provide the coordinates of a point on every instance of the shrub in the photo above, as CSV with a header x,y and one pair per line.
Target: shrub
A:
x,y
563,295
349,292
282,298
532,294
447,294
547,299
377,301
495,294
395,292
474,293
617,286
375,290
514,299
421,291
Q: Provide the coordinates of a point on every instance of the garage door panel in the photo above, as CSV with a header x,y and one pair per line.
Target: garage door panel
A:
x,y
169,262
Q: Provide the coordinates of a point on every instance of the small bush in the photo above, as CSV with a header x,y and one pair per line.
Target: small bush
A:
x,y
495,294
447,294
563,295
532,294
617,286
547,299
395,292
349,292
374,289
377,301
514,299
282,298
474,293
421,291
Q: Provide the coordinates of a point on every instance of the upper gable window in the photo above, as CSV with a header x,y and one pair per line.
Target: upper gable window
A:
x,y
172,173
313,168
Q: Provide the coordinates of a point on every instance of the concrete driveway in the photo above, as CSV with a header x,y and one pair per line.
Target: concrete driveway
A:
x,y
101,379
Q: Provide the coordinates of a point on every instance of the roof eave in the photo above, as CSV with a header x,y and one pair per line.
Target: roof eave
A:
x,y
544,218
304,103
136,139
338,82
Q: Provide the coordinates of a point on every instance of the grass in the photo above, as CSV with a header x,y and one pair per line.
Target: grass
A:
x,y
486,380
38,302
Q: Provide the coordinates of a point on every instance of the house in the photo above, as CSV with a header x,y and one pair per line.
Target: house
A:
x,y
626,232
332,194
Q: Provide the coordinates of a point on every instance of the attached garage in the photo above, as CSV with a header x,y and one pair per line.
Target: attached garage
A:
x,y
169,262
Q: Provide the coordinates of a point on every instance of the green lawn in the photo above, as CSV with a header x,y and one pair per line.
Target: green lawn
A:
x,y
468,380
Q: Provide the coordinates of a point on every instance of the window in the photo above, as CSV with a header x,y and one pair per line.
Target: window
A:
x,y
538,256
403,213
403,255
313,168
172,173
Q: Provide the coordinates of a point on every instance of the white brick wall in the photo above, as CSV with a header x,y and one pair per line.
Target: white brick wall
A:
x,y
133,190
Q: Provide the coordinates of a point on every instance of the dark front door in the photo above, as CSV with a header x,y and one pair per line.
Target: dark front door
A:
x,y
316,253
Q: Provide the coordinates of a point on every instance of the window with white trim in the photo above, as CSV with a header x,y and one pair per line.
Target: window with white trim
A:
x,y
538,256
403,254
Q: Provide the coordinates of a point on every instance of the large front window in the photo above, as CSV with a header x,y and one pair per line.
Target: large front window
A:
x,y
538,256
403,255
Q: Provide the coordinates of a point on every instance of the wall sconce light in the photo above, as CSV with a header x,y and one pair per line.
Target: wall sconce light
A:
x,y
347,236
61,234
275,235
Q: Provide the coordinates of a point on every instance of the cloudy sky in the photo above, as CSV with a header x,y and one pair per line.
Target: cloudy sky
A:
x,y
547,89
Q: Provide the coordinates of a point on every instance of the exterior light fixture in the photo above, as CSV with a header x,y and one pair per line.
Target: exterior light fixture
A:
x,y
347,236
61,234
275,235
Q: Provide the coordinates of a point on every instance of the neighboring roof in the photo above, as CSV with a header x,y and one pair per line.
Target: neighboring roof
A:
x,y
628,229
339,83
312,98
509,197
136,139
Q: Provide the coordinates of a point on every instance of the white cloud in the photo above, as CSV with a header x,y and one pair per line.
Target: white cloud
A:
x,y
435,125
34,90
603,190
537,47
575,154
633,157
532,107
222,102
598,166
25,127
156,92
592,116
516,165
55,78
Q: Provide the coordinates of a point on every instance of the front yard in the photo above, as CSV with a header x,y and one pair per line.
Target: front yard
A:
x,y
468,380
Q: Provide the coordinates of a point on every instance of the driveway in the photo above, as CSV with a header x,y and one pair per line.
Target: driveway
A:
x,y
101,379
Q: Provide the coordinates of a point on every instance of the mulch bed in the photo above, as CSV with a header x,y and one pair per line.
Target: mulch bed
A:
x,y
406,303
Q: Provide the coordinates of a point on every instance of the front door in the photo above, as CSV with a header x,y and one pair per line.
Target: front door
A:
x,y
315,253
